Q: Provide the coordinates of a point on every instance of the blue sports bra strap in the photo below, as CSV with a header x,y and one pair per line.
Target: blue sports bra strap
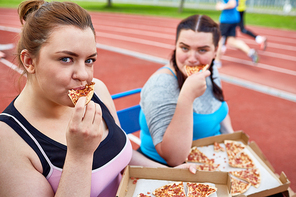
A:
x,y
169,69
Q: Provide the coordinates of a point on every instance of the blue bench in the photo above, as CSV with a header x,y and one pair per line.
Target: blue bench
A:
x,y
129,117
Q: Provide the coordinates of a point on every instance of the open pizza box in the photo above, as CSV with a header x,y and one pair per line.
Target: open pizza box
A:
x,y
270,182
144,180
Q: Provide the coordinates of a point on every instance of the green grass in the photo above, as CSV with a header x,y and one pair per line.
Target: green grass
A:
x,y
264,20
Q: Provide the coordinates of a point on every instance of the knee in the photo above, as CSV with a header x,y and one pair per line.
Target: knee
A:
x,y
243,30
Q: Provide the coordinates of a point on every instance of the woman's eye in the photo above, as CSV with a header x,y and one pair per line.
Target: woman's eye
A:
x,y
202,50
66,59
90,61
184,48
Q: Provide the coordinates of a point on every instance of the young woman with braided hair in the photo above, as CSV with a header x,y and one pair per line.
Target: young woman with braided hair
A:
x,y
177,108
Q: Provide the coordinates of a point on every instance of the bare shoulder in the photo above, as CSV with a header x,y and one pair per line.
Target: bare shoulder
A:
x,y
21,170
101,90
103,93
165,69
100,86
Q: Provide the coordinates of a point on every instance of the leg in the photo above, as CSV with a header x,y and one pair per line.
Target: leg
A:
x,y
242,26
238,44
262,41
241,45
219,53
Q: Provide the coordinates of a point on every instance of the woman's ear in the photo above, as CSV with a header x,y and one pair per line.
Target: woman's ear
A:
x,y
27,61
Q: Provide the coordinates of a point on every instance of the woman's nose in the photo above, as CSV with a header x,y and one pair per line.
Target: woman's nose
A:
x,y
81,72
193,57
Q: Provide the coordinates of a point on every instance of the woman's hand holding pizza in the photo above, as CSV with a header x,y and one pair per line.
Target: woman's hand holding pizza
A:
x,y
195,85
85,130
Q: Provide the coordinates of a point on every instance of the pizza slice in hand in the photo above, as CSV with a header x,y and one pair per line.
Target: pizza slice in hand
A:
x,y
199,189
238,186
196,155
87,92
195,69
250,175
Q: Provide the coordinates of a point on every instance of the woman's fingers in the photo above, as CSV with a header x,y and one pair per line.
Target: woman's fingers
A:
x,y
85,128
191,167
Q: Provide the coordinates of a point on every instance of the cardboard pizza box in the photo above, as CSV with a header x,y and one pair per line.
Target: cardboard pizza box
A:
x,y
136,178
280,183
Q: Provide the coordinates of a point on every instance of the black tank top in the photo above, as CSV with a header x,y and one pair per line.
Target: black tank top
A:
x,y
55,151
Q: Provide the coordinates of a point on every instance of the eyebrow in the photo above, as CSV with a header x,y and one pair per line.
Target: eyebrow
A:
x,y
206,46
74,54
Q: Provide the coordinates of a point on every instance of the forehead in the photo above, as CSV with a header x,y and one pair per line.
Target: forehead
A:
x,y
71,37
190,37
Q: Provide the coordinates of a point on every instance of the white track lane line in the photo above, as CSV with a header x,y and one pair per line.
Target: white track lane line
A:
x,y
11,65
259,65
229,79
168,46
236,81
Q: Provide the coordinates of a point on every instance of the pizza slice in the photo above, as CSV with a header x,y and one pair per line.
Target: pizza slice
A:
x,y
196,155
170,190
238,186
218,147
233,148
87,92
250,175
207,167
195,69
200,189
242,160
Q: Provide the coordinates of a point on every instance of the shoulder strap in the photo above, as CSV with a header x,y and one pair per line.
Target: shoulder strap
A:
x,y
169,69
23,132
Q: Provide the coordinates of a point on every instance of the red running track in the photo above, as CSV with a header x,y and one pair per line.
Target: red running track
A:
x,y
261,98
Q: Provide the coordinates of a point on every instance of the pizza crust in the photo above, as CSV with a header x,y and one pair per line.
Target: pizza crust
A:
x,y
87,92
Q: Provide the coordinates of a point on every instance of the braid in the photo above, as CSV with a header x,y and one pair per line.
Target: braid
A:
x,y
217,91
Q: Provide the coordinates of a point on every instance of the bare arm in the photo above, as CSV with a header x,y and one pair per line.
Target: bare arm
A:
x,y
226,126
224,6
21,170
177,139
140,160
137,158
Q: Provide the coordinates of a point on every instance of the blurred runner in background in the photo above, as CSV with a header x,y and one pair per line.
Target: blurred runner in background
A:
x,y
261,40
229,19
